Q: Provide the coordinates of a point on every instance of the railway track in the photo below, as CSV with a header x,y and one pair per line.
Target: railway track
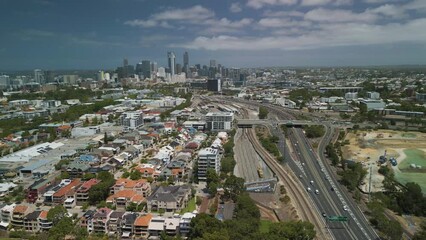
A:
x,y
299,197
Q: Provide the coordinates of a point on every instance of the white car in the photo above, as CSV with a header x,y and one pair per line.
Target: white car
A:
x,y
316,191
312,182
345,207
308,189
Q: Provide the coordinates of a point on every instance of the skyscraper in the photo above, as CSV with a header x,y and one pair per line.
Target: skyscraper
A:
x,y
146,68
172,62
138,70
154,67
185,60
178,68
213,63
39,76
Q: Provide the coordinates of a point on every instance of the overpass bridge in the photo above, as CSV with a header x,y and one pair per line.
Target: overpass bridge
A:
x,y
248,123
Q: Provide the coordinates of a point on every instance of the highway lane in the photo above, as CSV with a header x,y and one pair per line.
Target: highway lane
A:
x,y
361,228
326,198
354,210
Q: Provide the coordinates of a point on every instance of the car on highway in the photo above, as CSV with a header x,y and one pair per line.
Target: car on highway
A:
x,y
308,189
332,189
345,207
324,215
300,176
312,182
316,191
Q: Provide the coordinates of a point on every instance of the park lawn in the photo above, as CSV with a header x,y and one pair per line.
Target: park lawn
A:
x,y
191,206
264,226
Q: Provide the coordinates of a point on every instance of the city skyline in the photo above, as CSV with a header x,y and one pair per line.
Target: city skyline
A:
x,y
248,33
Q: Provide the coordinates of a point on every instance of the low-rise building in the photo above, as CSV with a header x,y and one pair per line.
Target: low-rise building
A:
x,y
100,220
44,223
123,198
31,223
82,193
185,223
6,215
18,216
114,222
169,198
141,226
372,104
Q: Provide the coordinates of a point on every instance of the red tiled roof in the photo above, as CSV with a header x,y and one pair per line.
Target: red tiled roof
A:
x,y
88,184
20,209
143,221
43,215
61,192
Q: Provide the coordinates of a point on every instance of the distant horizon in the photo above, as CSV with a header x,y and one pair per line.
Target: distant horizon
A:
x,y
48,34
295,67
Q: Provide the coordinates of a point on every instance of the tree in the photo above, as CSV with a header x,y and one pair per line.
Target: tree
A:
x,y
88,176
56,213
203,224
263,112
421,233
100,191
234,186
291,230
135,175
62,228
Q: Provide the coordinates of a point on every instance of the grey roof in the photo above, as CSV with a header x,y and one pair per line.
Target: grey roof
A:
x,y
168,193
33,216
116,214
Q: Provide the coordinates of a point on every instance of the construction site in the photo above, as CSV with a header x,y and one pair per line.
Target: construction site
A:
x,y
404,152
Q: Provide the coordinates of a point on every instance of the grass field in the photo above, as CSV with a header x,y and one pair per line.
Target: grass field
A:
x,y
408,135
414,156
407,174
191,206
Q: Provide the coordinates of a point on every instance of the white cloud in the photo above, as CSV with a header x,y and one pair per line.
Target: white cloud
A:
x,y
330,35
325,2
257,4
235,7
225,25
389,10
269,13
327,15
193,14
380,1
282,22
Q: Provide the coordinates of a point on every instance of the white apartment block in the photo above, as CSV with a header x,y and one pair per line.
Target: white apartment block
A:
x,y
131,120
219,121
207,158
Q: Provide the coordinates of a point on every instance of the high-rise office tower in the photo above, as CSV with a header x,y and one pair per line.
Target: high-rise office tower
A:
x,y
172,62
125,68
185,60
39,76
178,68
213,63
138,70
146,68
154,67
49,76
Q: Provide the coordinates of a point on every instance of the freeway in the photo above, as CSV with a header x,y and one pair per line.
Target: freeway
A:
x,y
328,201
311,167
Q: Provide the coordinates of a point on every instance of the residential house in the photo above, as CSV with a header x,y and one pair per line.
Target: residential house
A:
x,y
44,224
127,225
82,193
39,187
148,171
185,223
18,216
156,226
100,220
76,169
31,223
141,226
171,226
147,141
6,215
114,223
141,186
169,198
123,198
66,192
86,221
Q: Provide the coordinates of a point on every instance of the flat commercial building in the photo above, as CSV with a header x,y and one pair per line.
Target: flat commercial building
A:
x,y
373,104
208,158
214,85
219,121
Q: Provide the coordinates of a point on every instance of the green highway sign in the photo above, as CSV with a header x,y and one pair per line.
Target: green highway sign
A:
x,y
337,219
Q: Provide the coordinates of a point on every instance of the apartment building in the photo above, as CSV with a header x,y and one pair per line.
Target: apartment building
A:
x,y
208,158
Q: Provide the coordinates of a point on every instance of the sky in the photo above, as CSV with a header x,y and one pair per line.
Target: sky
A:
x,y
99,34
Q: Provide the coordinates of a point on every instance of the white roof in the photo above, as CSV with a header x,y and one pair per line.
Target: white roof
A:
x,y
4,187
28,153
156,224
172,223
